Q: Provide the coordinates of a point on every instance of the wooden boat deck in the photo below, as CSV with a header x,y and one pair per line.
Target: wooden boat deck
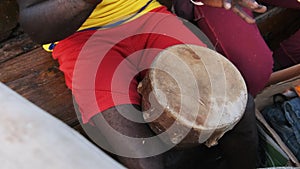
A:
x,y
30,71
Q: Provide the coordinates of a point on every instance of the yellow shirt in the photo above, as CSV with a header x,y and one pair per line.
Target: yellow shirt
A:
x,y
112,11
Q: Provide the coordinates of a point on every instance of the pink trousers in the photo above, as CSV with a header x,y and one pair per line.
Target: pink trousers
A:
x,y
238,41
243,45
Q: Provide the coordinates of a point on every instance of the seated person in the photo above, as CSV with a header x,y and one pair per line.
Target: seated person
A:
x,y
94,36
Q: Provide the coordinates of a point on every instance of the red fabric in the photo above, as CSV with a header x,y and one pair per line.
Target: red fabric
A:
x,y
103,67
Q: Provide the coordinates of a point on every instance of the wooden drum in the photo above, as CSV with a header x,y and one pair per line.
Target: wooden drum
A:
x,y
192,95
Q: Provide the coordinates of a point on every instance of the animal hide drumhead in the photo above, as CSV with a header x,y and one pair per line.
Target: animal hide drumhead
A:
x,y
192,95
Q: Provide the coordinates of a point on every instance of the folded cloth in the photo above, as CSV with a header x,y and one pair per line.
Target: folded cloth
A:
x,y
285,120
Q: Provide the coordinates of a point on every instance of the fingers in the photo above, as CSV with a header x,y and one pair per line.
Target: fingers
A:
x,y
250,4
227,4
237,9
235,6
253,5
197,3
260,9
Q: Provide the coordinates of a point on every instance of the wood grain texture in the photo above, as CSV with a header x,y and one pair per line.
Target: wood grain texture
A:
x,y
30,71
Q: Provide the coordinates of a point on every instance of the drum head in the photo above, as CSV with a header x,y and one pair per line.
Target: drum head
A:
x,y
193,92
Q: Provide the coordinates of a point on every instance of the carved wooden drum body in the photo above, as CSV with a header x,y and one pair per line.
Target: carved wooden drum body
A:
x,y
192,95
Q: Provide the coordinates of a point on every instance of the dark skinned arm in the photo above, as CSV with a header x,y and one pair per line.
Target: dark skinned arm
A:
x,y
52,20
129,128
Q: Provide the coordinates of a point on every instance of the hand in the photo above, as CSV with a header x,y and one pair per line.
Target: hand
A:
x,y
94,2
236,7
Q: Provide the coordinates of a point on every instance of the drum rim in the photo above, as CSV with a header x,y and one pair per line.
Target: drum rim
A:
x,y
243,97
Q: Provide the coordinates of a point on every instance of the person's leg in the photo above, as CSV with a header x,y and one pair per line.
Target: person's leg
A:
x,y
241,143
122,125
288,54
243,45
240,42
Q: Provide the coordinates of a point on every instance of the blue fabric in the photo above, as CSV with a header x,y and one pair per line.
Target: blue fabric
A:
x,y
285,120
292,114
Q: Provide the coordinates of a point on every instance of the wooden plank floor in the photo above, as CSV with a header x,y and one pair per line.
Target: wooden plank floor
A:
x,y
30,71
